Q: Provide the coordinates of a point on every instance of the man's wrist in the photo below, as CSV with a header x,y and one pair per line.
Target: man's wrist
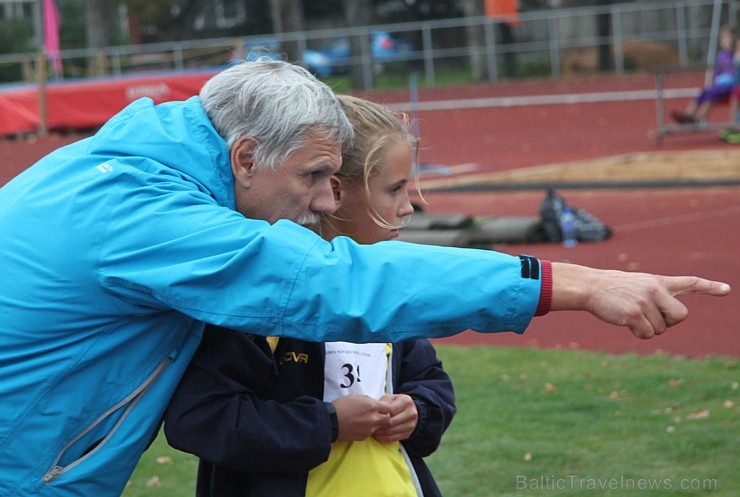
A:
x,y
573,286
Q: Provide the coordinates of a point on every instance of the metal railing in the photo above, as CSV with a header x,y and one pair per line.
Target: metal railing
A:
x,y
546,43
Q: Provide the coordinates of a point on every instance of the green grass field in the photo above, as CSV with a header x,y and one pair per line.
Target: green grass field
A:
x,y
546,422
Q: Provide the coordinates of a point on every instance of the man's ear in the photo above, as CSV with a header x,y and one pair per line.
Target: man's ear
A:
x,y
336,188
242,161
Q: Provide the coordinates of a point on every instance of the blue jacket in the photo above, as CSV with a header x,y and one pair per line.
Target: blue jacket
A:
x,y
117,249
260,425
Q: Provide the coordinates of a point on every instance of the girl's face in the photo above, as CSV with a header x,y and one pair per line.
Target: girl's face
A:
x,y
726,40
388,199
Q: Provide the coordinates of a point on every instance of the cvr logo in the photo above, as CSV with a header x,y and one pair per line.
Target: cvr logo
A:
x,y
301,357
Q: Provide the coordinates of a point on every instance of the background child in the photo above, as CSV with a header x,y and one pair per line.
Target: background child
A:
x,y
286,417
732,134
723,81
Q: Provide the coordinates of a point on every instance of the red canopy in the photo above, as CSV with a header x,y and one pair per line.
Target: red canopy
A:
x,y
85,104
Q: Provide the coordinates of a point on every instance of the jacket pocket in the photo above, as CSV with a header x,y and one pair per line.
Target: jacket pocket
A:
x,y
125,406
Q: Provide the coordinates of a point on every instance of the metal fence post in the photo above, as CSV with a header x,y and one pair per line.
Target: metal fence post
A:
x,y
43,128
681,33
426,35
490,38
178,58
552,28
116,62
366,59
713,37
617,41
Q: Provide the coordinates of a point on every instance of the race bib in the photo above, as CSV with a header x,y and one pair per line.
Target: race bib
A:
x,y
352,368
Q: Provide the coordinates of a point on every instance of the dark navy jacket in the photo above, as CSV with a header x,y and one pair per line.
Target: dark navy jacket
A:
x,y
258,421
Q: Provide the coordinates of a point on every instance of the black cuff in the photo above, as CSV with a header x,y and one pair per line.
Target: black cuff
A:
x,y
334,420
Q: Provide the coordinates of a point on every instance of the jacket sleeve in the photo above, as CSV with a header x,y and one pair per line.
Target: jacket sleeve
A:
x,y
420,375
166,246
217,414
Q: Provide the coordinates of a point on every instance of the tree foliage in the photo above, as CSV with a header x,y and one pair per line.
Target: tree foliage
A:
x,y
14,37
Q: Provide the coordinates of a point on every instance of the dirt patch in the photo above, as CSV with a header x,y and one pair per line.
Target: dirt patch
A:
x,y
637,54
658,167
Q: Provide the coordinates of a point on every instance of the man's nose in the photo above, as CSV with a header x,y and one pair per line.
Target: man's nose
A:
x,y
323,201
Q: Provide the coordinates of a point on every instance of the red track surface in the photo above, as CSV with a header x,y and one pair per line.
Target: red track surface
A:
x,y
692,231
669,231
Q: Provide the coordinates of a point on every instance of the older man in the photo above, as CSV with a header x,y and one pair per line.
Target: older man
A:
x,y
117,249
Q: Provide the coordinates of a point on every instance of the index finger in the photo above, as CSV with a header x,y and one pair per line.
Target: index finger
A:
x,y
680,285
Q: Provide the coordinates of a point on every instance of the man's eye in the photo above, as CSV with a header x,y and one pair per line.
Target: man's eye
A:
x,y
321,174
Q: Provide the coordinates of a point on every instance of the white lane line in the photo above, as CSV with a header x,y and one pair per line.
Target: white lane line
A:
x,y
574,98
680,219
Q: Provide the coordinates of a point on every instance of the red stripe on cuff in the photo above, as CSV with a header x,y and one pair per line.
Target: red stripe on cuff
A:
x,y
546,289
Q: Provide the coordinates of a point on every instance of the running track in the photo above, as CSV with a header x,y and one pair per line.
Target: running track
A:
x,y
674,231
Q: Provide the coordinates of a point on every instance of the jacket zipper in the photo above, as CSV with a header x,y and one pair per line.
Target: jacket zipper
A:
x,y
132,400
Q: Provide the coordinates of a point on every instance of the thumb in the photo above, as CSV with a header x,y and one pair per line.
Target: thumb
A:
x,y
382,407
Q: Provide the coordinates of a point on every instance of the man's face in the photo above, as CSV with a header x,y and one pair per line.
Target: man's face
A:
x,y
299,190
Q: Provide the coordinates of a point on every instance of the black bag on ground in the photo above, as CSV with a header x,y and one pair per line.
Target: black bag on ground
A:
x,y
587,227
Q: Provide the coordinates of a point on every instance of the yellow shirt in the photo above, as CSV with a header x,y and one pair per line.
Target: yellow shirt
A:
x,y
365,468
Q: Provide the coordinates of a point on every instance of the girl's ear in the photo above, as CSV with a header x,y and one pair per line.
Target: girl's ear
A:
x,y
336,188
